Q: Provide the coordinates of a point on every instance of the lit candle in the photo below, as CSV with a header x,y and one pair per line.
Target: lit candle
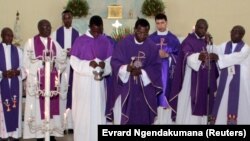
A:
x,y
59,77
56,83
65,116
31,110
27,72
193,28
45,116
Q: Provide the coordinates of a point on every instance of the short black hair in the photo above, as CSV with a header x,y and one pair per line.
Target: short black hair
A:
x,y
67,11
142,22
95,20
4,30
201,21
241,29
41,22
161,16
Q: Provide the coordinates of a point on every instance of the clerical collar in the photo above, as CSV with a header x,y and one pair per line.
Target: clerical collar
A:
x,y
162,33
139,43
199,37
44,40
5,45
89,34
67,28
234,46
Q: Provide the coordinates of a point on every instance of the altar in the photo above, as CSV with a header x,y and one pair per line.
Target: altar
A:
x,y
81,24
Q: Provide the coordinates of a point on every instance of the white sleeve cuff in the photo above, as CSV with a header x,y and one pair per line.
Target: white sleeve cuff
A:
x,y
123,74
193,61
145,78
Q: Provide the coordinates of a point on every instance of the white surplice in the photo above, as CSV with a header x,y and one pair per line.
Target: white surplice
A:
x,y
184,110
65,77
88,98
241,58
32,103
3,130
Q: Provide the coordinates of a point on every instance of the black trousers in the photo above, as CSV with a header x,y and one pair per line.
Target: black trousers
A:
x,y
9,139
52,138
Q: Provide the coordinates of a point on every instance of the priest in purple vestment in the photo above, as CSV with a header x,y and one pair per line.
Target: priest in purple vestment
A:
x,y
65,36
90,60
137,66
35,50
195,77
11,74
168,45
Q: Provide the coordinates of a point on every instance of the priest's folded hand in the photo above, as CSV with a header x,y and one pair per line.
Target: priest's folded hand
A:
x,y
136,72
203,56
11,73
130,68
16,72
163,54
102,64
93,64
7,74
213,57
68,52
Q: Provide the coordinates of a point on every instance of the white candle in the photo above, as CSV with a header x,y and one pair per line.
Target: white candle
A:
x,y
39,75
27,73
45,116
59,77
65,116
31,110
50,49
56,83
47,78
44,54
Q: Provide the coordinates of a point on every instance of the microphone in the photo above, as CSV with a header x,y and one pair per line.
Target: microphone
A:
x,y
210,40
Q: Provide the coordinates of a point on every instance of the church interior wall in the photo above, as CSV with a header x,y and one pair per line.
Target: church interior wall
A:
x,y
221,15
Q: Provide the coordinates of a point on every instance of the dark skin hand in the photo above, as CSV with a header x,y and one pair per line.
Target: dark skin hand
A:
x,y
93,64
102,64
11,73
136,72
68,52
213,57
133,70
203,56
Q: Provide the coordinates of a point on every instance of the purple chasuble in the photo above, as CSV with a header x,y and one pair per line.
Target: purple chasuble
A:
x,y
60,40
234,88
54,101
199,79
88,48
171,46
139,102
10,91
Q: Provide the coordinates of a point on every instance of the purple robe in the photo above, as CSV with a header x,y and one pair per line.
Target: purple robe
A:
x,y
60,40
88,48
54,101
234,88
139,102
199,86
8,91
171,46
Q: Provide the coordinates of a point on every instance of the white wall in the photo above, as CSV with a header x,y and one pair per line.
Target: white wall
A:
x,y
221,15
